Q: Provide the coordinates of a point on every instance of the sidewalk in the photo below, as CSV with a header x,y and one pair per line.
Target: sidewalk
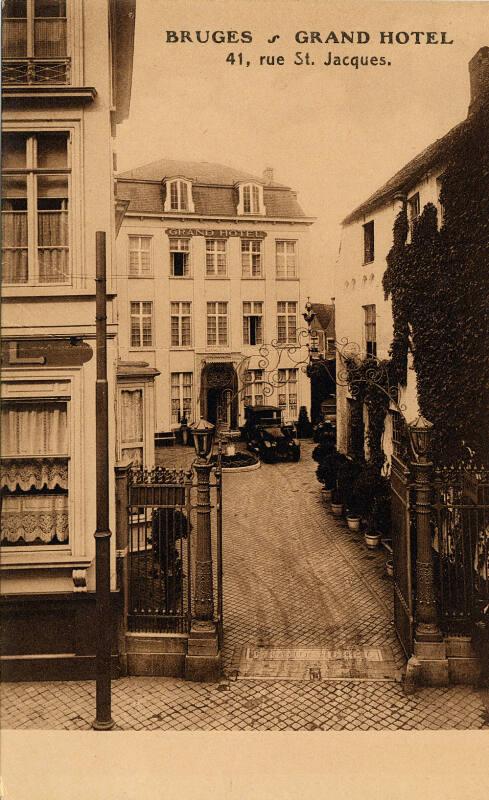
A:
x,y
297,584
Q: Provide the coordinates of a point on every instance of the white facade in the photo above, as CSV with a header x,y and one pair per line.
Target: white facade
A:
x,y
209,290
363,316
58,190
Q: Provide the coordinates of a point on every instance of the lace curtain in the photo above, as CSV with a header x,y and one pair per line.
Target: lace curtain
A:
x,y
14,244
34,472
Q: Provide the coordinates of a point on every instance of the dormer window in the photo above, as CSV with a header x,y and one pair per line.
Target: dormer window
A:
x,y
179,195
250,199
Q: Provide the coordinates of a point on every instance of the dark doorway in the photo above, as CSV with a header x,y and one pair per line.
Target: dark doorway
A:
x,y
220,395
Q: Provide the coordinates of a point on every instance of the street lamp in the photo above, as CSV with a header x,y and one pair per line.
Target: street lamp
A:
x,y
203,436
429,649
420,431
203,658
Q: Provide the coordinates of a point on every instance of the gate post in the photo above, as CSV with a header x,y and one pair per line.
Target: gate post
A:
x,y
203,660
429,664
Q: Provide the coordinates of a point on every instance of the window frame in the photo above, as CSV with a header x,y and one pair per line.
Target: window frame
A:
x,y
178,181
77,263
369,242
72,58
369,327
246,326
287,383
288,341
181,385
216,315
413,203
251,382
247,258
179,250
250,195
141,316
286,275
140,273
55,384
180,315
214,253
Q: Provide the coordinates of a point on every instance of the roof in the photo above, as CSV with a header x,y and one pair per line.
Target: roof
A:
x,y
196,171
213,189
434,155
324,316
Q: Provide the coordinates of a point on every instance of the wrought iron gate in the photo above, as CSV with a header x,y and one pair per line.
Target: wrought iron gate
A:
x,y
403,546
161,546
461,542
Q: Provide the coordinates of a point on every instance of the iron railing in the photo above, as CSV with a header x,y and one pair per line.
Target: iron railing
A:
x,y
159,552
461,542
27,71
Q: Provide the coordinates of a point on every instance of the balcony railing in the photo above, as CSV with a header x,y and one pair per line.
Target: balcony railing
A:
x,y
35,71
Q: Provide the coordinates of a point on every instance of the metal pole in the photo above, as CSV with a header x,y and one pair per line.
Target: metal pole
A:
x,y
427,629
103,720
203,596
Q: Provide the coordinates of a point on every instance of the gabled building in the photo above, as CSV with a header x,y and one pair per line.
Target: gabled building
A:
x,y
66,72
363,315
212,260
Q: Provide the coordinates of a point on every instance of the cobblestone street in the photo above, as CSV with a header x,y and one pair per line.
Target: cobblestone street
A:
x,y
294,579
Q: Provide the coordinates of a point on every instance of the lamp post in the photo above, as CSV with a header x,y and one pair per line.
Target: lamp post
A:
x,y
203,658
430,662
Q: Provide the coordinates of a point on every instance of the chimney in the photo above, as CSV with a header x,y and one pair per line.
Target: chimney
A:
x,y
268,175
479,79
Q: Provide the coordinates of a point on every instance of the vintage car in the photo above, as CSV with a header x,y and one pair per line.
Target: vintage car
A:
x,y
268,437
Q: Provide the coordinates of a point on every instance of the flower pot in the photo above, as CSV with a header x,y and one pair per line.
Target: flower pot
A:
x,y
326,495
372,540
389,567
353,523
337,509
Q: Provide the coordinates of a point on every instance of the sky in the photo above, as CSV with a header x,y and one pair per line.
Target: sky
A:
x,y
332,133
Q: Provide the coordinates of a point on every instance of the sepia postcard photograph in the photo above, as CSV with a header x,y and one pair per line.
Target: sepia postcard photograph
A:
x,y
244,399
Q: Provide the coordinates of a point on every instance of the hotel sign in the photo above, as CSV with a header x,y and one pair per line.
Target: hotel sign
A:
x,y
215,233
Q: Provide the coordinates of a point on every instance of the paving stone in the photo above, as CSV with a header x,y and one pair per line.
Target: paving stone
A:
x,y
293,577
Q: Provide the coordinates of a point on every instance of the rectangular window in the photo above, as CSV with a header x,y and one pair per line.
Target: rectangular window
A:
x,y
35,208
180,257
251,199
34,42
413,210
132,425
141,324
217,324
181,324
370,327
251,262
368,242
181,396
178,196
252,323
140,256
253,389
215,256
285,259
35,472
287,322
287,392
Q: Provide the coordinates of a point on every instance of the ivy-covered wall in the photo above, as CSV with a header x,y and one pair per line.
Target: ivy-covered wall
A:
x,y
439,286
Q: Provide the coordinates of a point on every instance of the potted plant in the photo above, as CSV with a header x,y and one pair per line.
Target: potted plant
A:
x,y
349,471
336,503
377,506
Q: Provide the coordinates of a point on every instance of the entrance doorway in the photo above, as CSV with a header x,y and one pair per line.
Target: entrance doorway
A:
x,y
219,395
